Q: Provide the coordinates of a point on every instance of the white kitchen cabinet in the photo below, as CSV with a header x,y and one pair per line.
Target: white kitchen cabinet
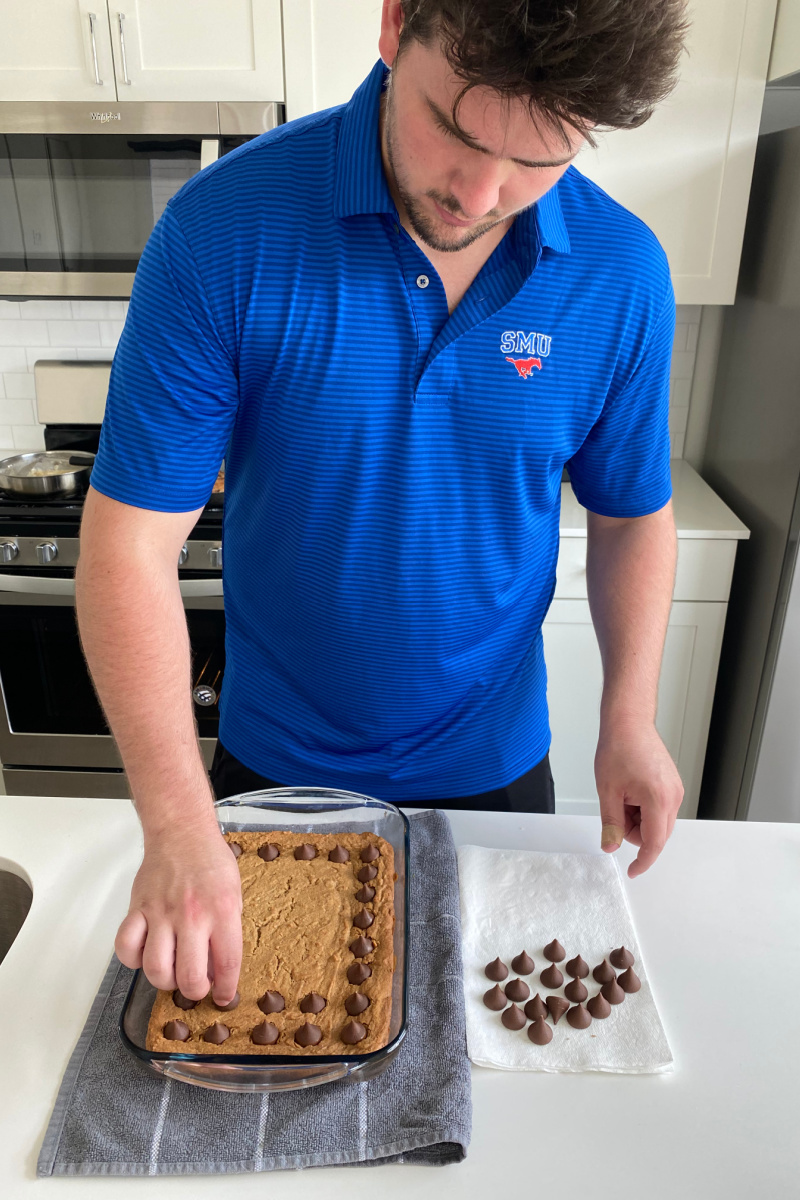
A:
x,y
686,172
785,57
575,682
166,50
708,533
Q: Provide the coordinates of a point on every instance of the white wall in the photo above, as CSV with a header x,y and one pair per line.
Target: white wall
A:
x,y
33,329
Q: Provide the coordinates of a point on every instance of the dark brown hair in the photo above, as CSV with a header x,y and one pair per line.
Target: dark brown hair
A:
x,y
606,63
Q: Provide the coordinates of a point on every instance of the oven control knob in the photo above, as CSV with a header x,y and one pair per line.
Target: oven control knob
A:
x,y
204,695
215,556
184,554
46,552
8,551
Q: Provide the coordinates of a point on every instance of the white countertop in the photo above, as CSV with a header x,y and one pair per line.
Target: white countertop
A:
x,y
718,923
699,512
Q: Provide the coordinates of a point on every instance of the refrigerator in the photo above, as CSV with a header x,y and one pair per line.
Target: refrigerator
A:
x,y
752,460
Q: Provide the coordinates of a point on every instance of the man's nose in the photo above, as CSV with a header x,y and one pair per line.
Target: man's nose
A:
x,y
477,189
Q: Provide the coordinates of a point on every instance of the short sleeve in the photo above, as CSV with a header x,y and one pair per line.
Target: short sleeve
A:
x,y
173,390
622,468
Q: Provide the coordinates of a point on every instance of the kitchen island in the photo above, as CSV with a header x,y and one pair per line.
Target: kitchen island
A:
x,y
718,924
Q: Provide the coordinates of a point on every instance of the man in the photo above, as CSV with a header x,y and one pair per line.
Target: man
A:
x,y
397,320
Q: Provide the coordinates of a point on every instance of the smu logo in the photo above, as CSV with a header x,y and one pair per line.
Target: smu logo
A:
x,y
535,345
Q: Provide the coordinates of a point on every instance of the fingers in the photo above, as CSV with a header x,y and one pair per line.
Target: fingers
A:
x,y
158,959
191,960
226,958
653,833
130,939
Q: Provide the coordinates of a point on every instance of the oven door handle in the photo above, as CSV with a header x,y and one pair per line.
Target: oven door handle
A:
x,y
42,586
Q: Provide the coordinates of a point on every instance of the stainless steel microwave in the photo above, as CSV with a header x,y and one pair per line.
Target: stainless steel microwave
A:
x,y
82,187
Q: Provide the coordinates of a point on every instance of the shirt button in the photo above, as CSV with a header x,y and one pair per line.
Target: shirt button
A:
x,y
422,281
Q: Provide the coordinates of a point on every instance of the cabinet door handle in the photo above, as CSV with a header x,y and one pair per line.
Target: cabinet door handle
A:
x,y
121,18
92,18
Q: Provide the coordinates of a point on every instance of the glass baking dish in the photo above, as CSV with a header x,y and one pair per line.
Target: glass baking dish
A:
x,y
296,810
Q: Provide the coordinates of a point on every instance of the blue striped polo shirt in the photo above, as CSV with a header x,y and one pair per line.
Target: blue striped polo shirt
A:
x,y
392,471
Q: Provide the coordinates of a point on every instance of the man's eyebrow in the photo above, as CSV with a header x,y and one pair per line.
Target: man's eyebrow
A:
x,y
449,125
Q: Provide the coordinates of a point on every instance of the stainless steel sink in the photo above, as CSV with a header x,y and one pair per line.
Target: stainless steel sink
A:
x,y
15,900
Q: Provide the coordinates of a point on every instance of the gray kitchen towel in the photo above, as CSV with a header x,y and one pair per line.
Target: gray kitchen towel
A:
x,y
114,1116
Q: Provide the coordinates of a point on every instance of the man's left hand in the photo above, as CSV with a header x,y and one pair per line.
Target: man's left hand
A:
x,y
640,791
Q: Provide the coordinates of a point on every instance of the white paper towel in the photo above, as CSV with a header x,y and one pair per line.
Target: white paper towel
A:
x,y
514,900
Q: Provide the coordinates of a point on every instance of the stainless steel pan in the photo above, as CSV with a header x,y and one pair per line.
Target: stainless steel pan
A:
x,y
46,472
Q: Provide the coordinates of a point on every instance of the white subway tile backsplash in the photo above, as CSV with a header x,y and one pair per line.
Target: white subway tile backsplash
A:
x,y
17,332
18,386
18,410
28,437
109,332
74,333
12,358
41,310
90,329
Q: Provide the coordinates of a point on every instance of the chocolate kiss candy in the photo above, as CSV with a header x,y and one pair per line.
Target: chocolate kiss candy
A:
x,y
365,894
265,1034
495,998
577,968
496,970
621,958
555,952
339,854
271,1002
308,1035
629,981
514,1018
358,972
361,946
228,1007
356,1003
182,1001
551,977
305,852
268,851
599,1007
176,1031
366,874
556,1006
363,919
523,964
370,853
540,1033
517,989
578,1017
575,991
217,1033
536,1008
613,992
312,1003
604,972
353,1032
236,848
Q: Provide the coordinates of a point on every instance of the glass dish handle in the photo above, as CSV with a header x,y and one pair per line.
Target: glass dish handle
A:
x,y
283,1080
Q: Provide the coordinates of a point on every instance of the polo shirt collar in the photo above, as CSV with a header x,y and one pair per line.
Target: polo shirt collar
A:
x,y
361,185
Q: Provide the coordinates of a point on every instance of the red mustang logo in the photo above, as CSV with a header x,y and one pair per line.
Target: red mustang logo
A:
x,y
525,365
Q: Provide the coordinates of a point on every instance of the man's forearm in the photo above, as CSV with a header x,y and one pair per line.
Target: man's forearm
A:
x,y
134,634
630,572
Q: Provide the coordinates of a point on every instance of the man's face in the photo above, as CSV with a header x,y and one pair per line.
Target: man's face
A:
x,y
454,190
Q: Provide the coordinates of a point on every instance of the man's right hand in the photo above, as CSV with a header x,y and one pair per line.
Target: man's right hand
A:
x,y
184,925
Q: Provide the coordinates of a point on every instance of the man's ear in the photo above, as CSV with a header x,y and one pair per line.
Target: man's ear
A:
x,y
391,25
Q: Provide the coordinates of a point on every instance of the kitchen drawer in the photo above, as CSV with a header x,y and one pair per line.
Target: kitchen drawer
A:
x,y
705,566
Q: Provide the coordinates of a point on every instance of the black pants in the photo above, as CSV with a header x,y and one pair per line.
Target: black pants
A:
x,y
532,792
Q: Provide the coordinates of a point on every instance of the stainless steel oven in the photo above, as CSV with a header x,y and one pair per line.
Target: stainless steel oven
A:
x,y
54,739
53,736
82,185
